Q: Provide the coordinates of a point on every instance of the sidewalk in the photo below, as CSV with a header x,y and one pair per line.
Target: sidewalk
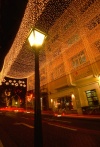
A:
x,y
72,115
86,116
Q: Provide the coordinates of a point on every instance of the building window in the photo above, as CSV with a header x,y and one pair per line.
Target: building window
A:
x,y
43,75
78,59
87,5
57,52
73,39
64,103
97,44
49,48
59,71
94,22
55,38
92,97
52,77
68,24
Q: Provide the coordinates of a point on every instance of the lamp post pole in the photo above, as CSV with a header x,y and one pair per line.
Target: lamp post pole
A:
x,y
38,140
36,39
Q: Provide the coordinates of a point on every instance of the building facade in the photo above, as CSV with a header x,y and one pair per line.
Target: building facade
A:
x,y
71,73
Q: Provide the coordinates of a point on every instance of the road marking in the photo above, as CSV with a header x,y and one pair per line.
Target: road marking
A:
x,y
68,128
63,121
57,120
24,125
28,118
1,145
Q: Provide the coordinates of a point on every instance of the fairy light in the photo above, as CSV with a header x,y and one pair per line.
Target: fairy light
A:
x,y
21,63
18,66
13,82
28,22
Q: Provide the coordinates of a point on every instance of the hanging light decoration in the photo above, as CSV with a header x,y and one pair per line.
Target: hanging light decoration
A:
x,y
18,66
10,81
13,82
7,83
28,22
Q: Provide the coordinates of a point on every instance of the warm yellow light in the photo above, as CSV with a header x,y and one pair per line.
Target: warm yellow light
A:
x,y
36,38
99,76
16,103
51,100
73,96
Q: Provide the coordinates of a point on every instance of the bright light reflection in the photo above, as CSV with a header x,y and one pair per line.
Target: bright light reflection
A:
x,y
36,38
59,115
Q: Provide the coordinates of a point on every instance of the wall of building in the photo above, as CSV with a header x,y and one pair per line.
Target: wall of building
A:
x,y
73,54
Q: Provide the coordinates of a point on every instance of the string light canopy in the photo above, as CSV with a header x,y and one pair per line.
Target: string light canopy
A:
x,y
42,14
34,9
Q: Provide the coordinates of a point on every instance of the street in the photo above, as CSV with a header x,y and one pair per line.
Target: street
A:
x,y
17,130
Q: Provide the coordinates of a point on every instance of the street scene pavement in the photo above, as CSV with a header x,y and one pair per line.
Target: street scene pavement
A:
x,y
70,130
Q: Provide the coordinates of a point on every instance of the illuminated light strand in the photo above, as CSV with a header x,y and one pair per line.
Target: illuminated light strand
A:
x,y
27,23
14,82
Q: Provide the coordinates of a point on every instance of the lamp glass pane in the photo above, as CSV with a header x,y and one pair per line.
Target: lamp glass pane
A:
x,y
31,39
36,38
39,38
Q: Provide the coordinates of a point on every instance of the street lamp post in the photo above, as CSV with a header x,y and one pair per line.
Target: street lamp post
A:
x,y
36,39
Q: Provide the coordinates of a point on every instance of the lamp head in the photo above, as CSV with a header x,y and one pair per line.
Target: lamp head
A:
x,y
36,37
